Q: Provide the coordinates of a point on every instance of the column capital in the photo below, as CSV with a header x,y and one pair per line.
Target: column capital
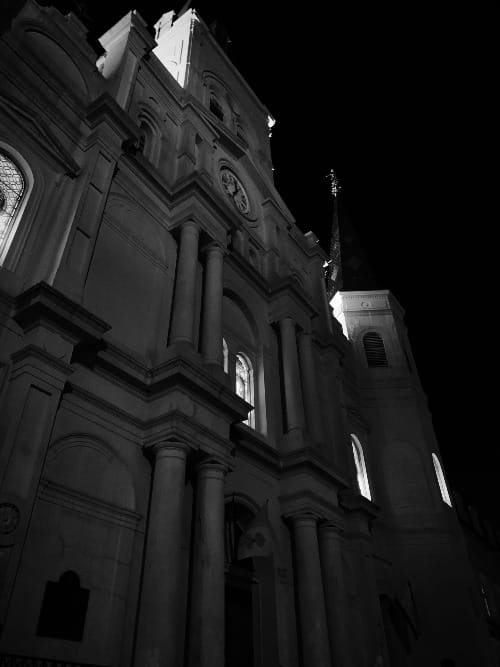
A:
x,y
211,468
330,529
190,226
286,322
305,336
167,448
302,518
214,248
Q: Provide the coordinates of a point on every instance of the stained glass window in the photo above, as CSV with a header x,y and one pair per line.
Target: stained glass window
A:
x,y
12,187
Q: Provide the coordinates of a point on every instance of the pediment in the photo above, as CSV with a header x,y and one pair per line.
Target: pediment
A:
x,y
39,131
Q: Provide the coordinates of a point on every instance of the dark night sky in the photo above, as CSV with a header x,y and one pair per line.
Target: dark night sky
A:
x,y
396,99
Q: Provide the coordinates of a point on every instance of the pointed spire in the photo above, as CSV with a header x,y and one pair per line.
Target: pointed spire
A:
x,y
333,270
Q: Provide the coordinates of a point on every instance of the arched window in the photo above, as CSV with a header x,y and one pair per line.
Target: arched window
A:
x,y
361,474
12,192
147,140
374,350
240,132
216,108
441,481
244,384
225,355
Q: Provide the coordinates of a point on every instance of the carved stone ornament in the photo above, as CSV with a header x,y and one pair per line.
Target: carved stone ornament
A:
x,y
9,518
234,190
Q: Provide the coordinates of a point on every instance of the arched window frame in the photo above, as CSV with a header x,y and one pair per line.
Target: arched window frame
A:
x,y
13,232
359,462
230,351
240,130
441,480
248,393
374,357
217,98
150,142
215,106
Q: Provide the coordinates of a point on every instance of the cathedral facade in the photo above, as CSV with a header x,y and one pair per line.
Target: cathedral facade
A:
x,y
203,462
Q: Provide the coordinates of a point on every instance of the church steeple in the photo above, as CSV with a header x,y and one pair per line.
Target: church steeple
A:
x,y
334,268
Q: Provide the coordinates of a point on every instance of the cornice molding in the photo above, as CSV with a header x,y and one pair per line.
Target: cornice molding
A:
x,y
44,303
306,503
39,132
76,500
353,501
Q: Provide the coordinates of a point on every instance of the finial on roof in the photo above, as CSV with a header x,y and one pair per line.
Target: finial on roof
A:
x,y
333,269
335,186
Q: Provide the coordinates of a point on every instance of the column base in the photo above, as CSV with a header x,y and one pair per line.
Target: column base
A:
x,y
179,349
294,439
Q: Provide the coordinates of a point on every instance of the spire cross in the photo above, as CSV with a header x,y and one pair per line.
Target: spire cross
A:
x,y
335,186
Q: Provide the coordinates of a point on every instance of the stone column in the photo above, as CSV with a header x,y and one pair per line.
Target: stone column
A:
x,y
360,512
160,636
182,327
335,597
206,627
211,343
310,387
308,580
291,375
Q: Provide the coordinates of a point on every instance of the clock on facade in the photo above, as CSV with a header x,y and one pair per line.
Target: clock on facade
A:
x,y
234,189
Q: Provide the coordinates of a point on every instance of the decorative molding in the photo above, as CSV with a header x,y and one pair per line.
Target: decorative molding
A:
x,y
306,502
306,460
40,132
353,501
80,502
44,303
10,660
9,518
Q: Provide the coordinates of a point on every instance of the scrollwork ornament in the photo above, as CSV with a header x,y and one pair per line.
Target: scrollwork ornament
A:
x,y
9,518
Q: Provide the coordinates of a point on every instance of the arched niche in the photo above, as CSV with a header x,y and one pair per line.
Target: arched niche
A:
x,y
237,317
57,60
89,466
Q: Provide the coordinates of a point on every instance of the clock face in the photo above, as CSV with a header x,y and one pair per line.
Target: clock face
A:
x,y
233,188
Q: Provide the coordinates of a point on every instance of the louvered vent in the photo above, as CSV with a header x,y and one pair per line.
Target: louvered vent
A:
x,y
374,350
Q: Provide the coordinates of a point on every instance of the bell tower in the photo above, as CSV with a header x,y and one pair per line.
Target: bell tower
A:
x,y
418,528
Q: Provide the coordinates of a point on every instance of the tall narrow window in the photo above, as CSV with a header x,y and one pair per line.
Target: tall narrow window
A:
x,y
240,132
244,384
225,356
441,481
216,108
374,350
361,474
12,190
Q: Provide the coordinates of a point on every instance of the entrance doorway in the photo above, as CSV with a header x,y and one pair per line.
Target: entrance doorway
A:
x,y
241,593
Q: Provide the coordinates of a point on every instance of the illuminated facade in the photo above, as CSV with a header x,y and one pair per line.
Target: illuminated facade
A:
x,y
200,464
